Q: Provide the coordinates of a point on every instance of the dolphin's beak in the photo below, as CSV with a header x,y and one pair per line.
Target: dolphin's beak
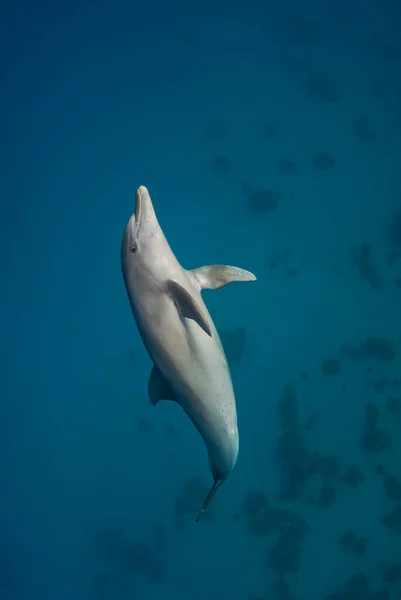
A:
x,y
136,217
144,210
138,204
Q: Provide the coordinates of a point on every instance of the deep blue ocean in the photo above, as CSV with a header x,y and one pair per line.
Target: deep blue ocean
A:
x,y
269,137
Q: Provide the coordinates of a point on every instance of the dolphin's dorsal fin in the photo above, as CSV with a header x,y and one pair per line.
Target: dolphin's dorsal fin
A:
x,y
187,306
159,388
214,277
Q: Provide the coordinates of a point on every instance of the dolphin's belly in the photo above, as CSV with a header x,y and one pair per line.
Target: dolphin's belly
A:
x,y
207,396
206,377
196,368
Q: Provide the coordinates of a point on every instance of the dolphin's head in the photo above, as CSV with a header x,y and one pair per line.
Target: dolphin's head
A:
x,y
143,224
143,242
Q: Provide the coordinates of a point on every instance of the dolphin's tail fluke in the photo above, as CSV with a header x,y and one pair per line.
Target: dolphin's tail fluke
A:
x,y
209,497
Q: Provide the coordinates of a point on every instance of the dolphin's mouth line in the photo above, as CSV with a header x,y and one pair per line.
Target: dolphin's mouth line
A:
x,y
138,209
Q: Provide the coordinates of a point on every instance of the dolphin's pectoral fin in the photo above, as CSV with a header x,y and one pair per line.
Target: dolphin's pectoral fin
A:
x,y
159,388
187,306
214,277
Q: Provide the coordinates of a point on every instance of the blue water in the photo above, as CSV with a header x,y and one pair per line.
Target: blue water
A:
x,y
206,104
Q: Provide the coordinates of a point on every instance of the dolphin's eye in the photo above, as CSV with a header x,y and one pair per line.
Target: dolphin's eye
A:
x,y
134,249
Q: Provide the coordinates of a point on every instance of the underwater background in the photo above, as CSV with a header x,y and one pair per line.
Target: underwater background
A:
x,y
269,136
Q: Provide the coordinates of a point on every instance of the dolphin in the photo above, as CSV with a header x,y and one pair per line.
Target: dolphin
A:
x,y
189,363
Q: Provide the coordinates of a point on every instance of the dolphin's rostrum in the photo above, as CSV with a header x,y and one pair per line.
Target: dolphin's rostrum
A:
x,y
189,364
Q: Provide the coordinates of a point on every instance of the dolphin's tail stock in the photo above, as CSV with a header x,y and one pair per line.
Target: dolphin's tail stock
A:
x,y
209,497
